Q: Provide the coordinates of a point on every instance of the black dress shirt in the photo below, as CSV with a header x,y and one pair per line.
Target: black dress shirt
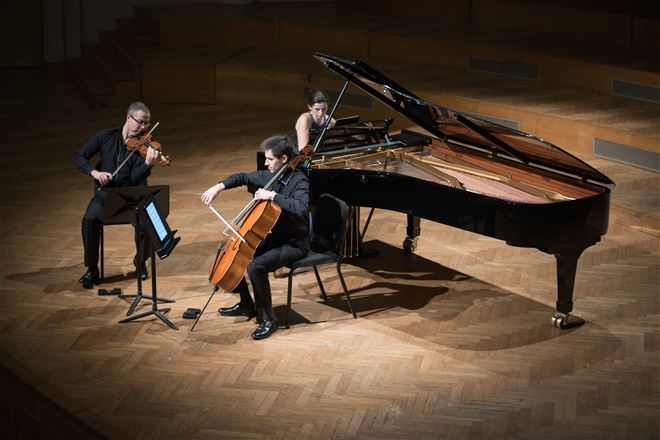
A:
x,y
110,144
292,196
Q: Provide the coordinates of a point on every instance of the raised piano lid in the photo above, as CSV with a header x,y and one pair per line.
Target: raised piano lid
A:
x,y
469,131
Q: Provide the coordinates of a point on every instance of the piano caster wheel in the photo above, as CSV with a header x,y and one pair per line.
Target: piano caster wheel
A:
x,y
560,320
410,244
564,321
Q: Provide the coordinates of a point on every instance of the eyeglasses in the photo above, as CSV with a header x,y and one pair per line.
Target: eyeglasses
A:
x,y
145,123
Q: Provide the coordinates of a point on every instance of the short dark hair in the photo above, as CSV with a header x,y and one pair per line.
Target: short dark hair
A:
x,y
316,96
279,145
136,107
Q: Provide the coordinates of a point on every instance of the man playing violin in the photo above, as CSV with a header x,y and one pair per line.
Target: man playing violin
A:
x,y
111,145
288,240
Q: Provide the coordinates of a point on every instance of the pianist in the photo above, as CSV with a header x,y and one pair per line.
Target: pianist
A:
x,y
314,118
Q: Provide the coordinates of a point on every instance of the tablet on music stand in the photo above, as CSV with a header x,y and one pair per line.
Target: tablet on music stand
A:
x,y
161,236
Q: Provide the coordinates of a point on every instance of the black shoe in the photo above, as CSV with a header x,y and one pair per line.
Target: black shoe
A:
x,y
89,278
237,310
266,329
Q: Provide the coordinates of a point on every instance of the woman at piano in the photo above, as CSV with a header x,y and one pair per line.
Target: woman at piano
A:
x,y
314,118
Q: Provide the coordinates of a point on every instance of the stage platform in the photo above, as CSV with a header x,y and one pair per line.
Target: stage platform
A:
x,y
452,341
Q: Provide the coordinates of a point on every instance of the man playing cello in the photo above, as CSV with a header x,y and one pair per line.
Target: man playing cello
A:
x,y
288,240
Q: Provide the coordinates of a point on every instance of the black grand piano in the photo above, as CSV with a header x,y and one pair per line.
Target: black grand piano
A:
x,y
469,173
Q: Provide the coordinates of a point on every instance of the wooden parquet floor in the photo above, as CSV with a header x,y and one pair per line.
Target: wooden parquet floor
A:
x,y
453,341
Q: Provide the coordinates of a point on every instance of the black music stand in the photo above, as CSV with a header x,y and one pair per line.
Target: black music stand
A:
x,y
162,242
121,203
120,208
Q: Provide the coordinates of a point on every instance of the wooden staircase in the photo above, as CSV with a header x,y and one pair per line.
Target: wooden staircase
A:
x,y
109,72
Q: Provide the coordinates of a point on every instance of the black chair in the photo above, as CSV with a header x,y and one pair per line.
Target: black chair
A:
x,y
102,250
329,226
102,247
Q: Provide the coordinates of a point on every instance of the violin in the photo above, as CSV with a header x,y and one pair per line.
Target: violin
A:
x,y
142,143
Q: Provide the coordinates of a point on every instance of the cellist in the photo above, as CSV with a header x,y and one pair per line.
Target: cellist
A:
x,y
288,240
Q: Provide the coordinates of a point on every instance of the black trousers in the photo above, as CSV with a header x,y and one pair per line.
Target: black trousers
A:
x,y
268,258
92,223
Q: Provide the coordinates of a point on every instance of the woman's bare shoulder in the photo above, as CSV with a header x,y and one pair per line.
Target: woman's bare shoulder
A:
x,y
304,120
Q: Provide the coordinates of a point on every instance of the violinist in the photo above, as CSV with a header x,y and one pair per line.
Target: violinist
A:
x,y
111,145
288,240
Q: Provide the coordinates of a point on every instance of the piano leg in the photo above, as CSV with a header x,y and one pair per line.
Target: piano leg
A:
x,y
567,258
354,238
412,232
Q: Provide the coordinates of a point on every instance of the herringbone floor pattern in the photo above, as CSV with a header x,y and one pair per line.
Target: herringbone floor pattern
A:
x,y
451,342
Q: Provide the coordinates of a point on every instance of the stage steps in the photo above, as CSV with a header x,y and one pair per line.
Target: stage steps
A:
x,y
109,72
560,87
